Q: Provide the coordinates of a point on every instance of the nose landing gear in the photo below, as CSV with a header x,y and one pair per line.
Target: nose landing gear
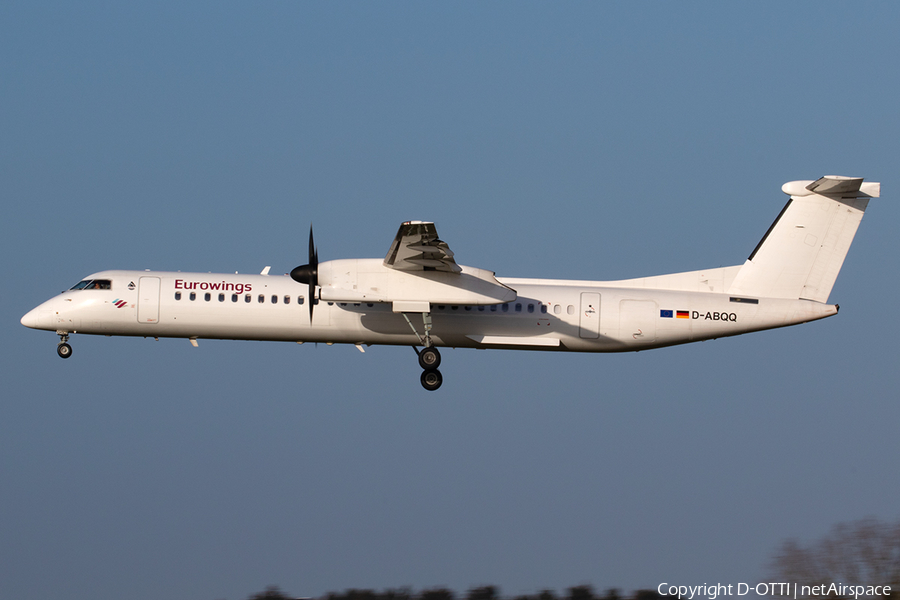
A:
x,y
63,348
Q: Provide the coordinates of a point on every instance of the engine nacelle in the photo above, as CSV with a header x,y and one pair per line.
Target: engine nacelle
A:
x,y
368,280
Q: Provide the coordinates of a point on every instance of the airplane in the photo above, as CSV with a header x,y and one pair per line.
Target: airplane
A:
x,y
419,296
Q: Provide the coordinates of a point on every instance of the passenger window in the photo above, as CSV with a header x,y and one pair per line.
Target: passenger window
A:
x,y
221,297
557,309
274,299
518,307
299,299
247,298
234,297
193,296
531,308
468,308
493,308
543,309
207,296
454,308
570,309
506,308
178,295
481,308
287,299
262,298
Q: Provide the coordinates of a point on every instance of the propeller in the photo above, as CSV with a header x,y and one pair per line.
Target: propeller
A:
x,y
309,273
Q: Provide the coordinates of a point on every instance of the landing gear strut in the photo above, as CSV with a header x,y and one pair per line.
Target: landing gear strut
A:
x,y
63,348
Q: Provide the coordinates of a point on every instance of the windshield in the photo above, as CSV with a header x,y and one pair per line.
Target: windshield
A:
x,y
93,284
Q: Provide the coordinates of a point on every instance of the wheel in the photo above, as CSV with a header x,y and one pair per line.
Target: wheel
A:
x,y
64,350
431,379
429,358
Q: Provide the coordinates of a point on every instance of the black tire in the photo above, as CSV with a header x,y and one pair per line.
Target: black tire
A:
x,y
431,379
64,350
429,358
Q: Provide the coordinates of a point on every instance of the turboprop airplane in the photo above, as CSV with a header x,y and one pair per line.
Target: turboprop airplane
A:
x,y
419,296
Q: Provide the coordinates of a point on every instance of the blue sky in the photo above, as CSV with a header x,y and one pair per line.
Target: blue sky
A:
x,y
578,140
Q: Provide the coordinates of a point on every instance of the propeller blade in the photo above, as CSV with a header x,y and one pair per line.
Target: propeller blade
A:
x,y
309,273
314,280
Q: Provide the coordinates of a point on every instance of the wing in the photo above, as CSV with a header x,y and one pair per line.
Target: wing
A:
x,y
418,248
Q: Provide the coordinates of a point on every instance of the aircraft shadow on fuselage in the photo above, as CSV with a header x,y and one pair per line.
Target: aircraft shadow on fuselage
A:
x,y
378,318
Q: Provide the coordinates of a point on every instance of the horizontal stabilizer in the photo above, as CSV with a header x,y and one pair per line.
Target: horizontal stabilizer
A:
x,y
834,185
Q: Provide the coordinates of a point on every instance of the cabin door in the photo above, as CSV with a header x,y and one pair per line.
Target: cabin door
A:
x,y
148,300
589,320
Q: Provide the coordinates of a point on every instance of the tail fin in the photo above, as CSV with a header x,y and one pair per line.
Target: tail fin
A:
x,y
802,252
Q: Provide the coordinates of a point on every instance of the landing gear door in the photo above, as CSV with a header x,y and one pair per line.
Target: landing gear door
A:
x,y
148,300
589,320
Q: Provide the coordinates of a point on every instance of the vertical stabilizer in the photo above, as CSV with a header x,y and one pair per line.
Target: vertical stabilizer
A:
x,y
802,252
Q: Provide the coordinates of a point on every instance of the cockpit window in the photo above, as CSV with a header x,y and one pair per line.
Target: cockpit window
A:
x,y
93,284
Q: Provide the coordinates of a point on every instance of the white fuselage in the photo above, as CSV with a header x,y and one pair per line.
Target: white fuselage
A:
x,y
581,316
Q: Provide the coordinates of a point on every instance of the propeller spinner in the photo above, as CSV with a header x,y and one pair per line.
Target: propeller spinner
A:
x,y
309,273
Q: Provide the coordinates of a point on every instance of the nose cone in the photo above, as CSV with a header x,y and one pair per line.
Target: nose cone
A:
x,y
38,318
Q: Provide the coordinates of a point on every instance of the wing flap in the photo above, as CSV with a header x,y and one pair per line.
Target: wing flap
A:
x,y
417,247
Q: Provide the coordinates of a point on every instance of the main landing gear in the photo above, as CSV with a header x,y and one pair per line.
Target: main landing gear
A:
x,y
63,348
429,357
429,360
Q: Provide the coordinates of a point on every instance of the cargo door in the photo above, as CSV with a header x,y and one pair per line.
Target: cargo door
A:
x,y
637,320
